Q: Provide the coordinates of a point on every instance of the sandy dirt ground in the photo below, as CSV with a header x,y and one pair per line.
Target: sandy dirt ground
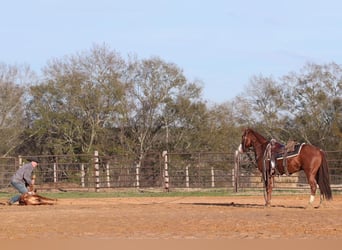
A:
x,y
231,217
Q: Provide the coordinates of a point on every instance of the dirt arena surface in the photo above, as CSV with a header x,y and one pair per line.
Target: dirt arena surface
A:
x,y
231,217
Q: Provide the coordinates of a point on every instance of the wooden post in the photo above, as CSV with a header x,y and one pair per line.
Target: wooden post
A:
x,y
166,171
97,171
187,180
233,178
137,173
20,160
55,173
82,175
107,175
235,171
212,177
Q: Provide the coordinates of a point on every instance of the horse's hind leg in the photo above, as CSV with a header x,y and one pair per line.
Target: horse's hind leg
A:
x,y
313,187
323,202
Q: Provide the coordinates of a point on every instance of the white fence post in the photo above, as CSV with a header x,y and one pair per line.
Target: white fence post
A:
x,y
166,171
20,160
212,177
97,171
108,175
82,175
137,173
235,171
55,173
187,180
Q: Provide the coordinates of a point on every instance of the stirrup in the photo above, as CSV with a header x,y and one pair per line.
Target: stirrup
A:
x,y
273,171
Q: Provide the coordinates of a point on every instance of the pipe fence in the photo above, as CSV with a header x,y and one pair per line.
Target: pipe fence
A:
x,y
160,170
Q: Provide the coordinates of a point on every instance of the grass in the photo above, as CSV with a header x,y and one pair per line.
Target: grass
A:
x,y
112,193
133,193
138,193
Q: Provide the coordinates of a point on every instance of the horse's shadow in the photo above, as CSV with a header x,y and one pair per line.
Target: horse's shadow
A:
x,y
242,205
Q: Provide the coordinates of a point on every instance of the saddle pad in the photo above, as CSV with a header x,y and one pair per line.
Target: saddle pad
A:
x,y
297,149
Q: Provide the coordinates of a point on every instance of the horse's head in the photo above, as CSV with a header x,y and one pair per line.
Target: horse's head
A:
x,y
246,140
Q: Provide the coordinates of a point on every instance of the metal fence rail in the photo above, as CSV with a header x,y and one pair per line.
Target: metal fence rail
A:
x,y
165,170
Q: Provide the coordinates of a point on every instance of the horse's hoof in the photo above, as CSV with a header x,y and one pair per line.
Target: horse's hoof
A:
x,y
325,204
309,206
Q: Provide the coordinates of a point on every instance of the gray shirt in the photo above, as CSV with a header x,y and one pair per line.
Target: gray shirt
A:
x,y
23,174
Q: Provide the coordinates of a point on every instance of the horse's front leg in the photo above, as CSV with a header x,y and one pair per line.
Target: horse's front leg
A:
x,y
269,189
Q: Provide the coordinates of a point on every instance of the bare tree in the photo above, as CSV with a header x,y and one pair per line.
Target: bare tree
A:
x,y
264,98
304,106
156,86
314,102
12,93
77,100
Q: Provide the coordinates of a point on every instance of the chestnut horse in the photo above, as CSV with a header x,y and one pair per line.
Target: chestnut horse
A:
x,y
310,159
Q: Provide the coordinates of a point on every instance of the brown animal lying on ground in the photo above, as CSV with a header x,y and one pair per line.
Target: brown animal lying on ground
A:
x,y
35,199
32,198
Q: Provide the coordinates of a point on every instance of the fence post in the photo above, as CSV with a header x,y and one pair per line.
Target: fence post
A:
x,y
212,177
187,180
108,175
20,160
97,171
166,171
82,175
55,173
137,172
235,171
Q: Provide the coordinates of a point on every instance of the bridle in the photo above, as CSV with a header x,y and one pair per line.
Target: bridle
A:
x,y
247,150
243,143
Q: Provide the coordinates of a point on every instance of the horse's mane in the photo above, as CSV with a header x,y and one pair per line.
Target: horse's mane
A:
x,y
258,136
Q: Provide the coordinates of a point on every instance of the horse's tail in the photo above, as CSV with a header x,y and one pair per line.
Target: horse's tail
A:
x,y
323,178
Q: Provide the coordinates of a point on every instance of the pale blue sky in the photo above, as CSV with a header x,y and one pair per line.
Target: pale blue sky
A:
x,y
222,43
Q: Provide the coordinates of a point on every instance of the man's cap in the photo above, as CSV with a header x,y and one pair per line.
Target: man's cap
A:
x,y
35,159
